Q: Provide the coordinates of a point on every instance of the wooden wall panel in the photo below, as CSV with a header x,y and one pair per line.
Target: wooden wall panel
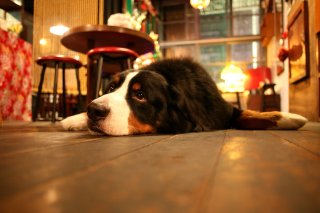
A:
x,y
317,17
303,95
48,13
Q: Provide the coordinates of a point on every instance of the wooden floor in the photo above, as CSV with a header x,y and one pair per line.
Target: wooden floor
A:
x,y
45,169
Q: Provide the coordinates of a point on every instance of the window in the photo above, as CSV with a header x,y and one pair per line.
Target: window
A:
x,y
212,35
213,57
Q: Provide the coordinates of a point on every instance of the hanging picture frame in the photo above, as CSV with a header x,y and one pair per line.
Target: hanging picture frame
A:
x,y
298,37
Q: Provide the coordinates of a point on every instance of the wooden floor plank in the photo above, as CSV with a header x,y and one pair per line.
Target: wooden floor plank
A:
x,y
169,176
259,172
18,143
305,139
20,137
26,170
312,127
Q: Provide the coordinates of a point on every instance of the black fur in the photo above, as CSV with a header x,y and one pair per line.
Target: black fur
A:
x,y
180,97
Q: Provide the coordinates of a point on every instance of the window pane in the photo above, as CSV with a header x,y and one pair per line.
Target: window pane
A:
x,y
213,54
246,25
215,72
241,7
216,28
245,52
213,22
245,17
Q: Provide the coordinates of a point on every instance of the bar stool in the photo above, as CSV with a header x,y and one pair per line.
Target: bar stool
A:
x,y
269,103
57,62
107,54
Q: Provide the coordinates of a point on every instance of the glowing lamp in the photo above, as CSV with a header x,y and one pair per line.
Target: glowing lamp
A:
x,y
232,73
58,30
199,4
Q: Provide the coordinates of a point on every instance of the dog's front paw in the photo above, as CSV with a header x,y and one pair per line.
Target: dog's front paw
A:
x,y
75,122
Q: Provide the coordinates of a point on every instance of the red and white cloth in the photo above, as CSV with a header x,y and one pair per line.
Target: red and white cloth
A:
x,y
15,77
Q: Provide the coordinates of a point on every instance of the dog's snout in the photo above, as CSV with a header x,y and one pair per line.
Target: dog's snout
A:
x,y
96,111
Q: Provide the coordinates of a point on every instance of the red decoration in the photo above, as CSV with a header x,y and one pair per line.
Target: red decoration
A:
x,y
284,34
15,77
144,7
253,77
283,53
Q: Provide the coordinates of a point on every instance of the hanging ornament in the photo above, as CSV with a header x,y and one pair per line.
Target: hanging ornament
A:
x,y
283,53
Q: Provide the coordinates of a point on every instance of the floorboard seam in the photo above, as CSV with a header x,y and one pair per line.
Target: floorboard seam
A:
x,y
211,181
78,173
45,148
275,135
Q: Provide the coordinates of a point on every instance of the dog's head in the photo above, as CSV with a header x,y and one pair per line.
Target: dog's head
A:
x,y
135,103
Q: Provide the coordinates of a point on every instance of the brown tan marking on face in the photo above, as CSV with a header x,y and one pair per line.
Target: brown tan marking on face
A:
x,y
116,80
136,127
136,86
257,120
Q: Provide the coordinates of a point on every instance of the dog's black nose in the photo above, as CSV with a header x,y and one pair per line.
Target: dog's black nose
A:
x,y
96,111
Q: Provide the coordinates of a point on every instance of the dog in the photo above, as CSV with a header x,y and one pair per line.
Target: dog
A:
x,y
170,96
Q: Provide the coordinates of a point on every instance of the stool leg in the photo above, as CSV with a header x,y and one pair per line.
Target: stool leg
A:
x,y
275,99
36,108
98,78
64,90
129,66
238,100
55,92
262,100
79,90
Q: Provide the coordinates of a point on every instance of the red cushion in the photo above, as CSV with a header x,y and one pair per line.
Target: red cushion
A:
x,y
50,61
114,52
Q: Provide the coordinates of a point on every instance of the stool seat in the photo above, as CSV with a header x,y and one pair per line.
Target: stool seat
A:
x,y
112,52
50,61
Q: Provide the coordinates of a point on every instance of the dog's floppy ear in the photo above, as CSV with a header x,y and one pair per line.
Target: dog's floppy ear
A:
x,y
248,119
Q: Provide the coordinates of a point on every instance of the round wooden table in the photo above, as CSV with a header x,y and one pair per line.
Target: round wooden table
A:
x,y
84,38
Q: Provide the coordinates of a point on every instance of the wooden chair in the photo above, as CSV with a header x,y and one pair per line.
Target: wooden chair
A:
x,y
269,103
56,62
121,55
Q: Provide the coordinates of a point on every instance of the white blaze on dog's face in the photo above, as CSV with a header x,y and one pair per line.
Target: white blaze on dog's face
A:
x,y
116,122
125,109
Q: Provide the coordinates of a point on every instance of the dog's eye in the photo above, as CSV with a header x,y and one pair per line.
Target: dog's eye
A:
x,y
141,96
111,88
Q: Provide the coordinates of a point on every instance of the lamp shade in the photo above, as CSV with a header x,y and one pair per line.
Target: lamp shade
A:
x,y
199,4
253,77
232,73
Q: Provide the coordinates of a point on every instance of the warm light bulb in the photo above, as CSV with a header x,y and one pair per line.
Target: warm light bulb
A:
x,y
42,41
58,30
199,4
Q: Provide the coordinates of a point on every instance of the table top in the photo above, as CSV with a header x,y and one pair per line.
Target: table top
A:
x,y
83,38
